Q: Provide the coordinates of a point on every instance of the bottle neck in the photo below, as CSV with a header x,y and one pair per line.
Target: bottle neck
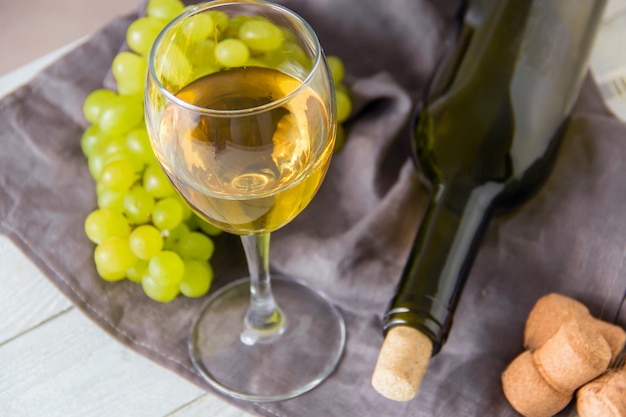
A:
x,y
441,257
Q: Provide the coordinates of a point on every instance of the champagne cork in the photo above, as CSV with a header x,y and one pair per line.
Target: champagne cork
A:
x,y
402,363
552,310
546,317
614,335
528,393
575,355
604,396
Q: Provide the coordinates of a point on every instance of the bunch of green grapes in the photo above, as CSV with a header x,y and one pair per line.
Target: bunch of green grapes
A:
x,y
143,230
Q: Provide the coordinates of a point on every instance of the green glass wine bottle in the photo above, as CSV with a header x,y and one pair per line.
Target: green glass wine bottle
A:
x,y
486,138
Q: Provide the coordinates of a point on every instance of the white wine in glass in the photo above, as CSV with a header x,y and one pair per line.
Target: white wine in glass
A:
x,y
241,115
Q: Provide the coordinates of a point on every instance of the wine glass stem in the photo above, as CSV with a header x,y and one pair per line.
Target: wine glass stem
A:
x,y
264,322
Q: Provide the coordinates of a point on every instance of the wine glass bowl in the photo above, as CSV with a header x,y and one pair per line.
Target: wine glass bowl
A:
x,y
240,110
255,174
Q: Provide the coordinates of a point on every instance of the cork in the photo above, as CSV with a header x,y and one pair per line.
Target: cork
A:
x,y
402,363
604,396
614,335
547,315
575,355
528,393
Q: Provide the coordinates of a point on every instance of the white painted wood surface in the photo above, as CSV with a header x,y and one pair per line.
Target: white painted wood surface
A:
x,y
55,362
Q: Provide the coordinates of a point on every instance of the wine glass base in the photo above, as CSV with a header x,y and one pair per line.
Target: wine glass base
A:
x,y
296,361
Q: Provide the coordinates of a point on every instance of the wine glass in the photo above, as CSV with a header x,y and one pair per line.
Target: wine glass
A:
x,y
240,110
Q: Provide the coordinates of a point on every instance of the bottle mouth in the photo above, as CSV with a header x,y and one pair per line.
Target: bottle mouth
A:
x,y
294,20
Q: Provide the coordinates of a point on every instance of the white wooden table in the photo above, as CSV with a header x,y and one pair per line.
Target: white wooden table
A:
x,y
56,362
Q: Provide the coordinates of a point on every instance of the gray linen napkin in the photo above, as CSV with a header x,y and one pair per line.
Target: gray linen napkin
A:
x,y
352,241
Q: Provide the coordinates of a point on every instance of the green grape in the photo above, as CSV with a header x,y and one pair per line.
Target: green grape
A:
x,y
197,278
256,62
344,105
129,70
177,232
235,22
138,205
100,188
136,272
157,291
128,89
95,164
198,27
95,102
290,56
138,143
166,268
121,115
196,245
145,241
340,139
142,32
164,9
111,144
207,227
172,236
288,34
336,69
110,148
220,19
156,182
261,35
109,275
126,155
109,199
204,57
91,139
173,65
167,213
192,222
295,53
101,224
231,53
118,175
113,258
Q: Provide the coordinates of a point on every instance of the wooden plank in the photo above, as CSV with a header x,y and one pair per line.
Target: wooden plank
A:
x,y
70,367
53,358
27,297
